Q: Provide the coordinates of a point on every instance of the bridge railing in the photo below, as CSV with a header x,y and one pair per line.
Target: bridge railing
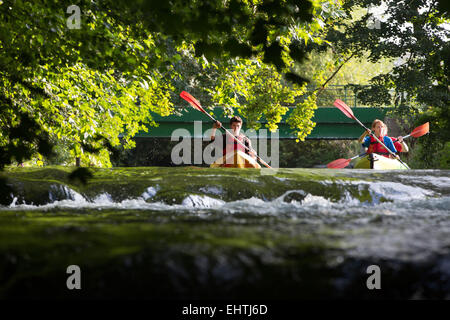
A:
x,y
346,93
333,92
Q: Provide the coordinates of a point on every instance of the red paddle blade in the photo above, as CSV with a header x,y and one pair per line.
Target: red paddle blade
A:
x,y
192,101
338,164
421,130
344,108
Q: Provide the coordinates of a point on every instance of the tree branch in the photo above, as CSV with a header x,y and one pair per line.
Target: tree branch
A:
x,y
334,73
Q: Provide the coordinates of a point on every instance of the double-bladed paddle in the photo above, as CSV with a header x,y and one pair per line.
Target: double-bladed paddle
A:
x,y
349,113
194,103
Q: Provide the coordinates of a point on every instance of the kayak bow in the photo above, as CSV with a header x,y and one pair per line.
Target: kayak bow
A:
x,y
236,159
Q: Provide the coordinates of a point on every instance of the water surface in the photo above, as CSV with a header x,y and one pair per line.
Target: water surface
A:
x,y
225,233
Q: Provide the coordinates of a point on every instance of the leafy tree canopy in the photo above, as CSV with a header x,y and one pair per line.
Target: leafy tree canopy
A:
x,y
83,87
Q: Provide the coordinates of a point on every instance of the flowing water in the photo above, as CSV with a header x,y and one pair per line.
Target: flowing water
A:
x,y
193,233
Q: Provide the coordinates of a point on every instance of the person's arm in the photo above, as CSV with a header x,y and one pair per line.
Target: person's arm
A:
x,y
403,143
366,142
365,133
216,125
388,143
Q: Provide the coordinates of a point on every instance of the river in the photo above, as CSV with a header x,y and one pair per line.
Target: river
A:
x,y
195,233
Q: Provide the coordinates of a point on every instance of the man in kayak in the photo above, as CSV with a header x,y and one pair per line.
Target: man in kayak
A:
x,y
230,144
380,130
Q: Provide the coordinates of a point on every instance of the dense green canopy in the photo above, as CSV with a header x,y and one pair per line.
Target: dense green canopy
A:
x,y
82,87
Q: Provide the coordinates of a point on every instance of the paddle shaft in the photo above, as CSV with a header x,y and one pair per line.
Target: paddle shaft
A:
x,y
376,138
358,156
407,136
247,148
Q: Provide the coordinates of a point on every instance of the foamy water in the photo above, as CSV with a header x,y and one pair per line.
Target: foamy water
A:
x,y
399,217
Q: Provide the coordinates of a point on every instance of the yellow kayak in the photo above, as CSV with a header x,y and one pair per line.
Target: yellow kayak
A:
x,y
378,162
236,159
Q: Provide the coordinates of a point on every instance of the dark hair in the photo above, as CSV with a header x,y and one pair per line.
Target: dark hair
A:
x,y
235,119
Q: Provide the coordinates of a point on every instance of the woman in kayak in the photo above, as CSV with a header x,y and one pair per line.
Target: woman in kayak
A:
x,y
230,143
380,130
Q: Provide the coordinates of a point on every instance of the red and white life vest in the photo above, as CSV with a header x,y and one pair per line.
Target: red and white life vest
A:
x,y
376,147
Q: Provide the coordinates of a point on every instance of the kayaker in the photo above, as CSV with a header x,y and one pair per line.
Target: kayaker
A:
x,y
373,146
231,144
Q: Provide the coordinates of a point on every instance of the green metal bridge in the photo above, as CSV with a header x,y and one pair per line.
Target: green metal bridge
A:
x,y
331,124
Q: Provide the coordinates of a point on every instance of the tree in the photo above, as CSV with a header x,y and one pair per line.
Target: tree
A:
x,y
86,86
81,86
